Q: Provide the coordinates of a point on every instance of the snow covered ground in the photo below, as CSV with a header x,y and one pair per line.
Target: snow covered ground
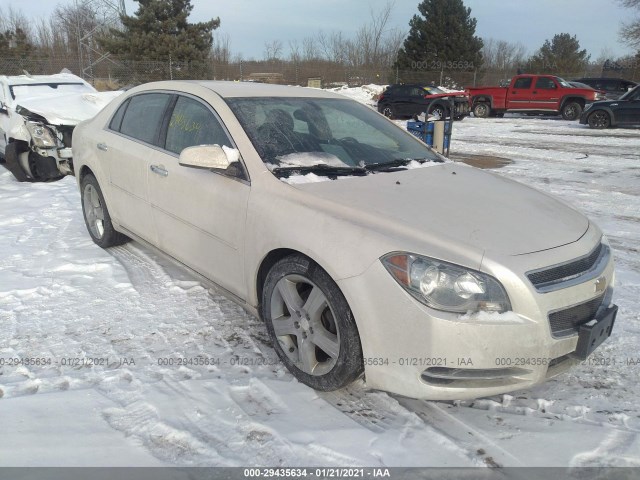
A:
x,y
131,362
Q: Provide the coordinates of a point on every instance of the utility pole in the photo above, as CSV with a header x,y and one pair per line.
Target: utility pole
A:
x,y
95,16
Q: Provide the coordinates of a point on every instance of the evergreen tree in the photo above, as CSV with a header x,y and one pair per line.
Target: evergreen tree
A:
x,y
561,55
159,30
443,36
16,43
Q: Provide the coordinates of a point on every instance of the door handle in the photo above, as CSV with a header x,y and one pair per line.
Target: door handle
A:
x,y
102,146
159,170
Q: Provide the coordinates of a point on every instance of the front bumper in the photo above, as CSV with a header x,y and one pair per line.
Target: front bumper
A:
x,y
412,350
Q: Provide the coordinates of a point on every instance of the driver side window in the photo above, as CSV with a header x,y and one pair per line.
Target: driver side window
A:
x,y
192,124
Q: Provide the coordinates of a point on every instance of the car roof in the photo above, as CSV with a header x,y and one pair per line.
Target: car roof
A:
x,y
227,89
604,78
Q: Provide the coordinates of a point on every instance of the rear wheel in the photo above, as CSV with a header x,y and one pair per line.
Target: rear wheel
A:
x,y
311,325
96,215
599,119
481,110
571,111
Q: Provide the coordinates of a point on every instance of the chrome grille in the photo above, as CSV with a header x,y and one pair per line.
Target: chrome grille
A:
x,y
544,278
567,322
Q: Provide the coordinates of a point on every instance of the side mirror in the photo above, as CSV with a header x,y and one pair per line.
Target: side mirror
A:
x,y
205,156
3,108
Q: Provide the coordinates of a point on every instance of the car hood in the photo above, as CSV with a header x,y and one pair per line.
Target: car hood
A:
x,y
462,204
68,109
450,94
605,103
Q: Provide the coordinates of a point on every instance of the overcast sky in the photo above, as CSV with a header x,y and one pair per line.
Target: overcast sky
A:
x,y
251,23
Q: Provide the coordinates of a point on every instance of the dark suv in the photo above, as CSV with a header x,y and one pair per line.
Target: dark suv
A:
x,y
613,88
409,100
610,113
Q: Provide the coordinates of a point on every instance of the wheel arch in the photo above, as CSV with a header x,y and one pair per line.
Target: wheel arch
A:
x,y
572,98
612,115
269,260
482,99
83,172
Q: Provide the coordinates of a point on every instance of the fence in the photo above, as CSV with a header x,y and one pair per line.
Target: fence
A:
x,y
113,73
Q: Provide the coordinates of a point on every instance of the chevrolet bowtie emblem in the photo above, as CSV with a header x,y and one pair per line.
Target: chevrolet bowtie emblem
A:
x,y
601,285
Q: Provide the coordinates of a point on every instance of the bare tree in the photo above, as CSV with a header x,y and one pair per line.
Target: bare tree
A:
x,y
503,55
630,31
310,49
221,48
295,52
272,50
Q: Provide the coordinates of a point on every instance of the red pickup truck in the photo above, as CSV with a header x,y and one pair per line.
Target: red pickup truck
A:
x,y
534,94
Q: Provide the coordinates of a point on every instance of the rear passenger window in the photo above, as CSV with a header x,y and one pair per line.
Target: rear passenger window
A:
x,y
523,83
116,121
143,117
191,124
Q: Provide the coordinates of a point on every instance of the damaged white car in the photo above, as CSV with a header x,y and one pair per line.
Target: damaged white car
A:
x,y
37,116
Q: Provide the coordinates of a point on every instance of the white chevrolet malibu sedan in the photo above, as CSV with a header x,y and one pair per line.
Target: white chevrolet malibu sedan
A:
x,y
364,252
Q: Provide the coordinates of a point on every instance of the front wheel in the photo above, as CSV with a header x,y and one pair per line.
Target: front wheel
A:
x,y
388,112
311,325
571,111
599,119
96,215
438,111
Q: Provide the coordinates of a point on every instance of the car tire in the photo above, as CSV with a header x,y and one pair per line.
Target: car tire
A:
x,y
96,215
388,112
12,163
481,110
439,111
571,111
311,325
599,119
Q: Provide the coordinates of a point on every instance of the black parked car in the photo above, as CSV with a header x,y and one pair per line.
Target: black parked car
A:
x,y
611,113
409,100
613,88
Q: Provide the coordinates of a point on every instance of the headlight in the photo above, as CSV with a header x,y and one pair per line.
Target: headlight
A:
x,y
445,286
41,135
587,106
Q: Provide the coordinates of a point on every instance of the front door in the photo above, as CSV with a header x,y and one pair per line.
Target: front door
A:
x,y
200,214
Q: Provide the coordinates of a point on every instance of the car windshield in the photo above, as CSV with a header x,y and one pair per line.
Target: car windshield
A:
x,y
633,94
20,92
326,135
580,85
563,82
433,90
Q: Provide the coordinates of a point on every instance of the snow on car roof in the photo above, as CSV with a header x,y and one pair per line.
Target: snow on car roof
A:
x,y
35,79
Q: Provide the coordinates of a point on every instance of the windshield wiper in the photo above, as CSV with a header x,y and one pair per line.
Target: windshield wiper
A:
x,y
398,163
319,169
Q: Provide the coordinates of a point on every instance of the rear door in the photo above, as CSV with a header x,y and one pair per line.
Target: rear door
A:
x,y
199,214
544,95
130,146
519,94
